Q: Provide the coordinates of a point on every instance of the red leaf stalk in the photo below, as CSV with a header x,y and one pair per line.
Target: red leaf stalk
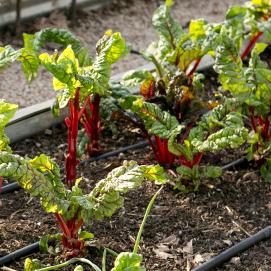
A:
x,y
91,123
196,160
72,125
70,237
196,64
161,152
250,45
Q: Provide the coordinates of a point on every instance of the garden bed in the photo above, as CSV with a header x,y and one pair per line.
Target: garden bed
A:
x,y
195,124
182,230
89,27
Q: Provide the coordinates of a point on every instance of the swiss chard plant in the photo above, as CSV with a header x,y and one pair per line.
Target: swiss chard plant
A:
x,y
124,260
174,86
80,87
220,128
79,80
248,22
72,208
250,86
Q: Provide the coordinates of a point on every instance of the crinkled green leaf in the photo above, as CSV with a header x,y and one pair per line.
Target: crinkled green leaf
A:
x,y
106,195
7,56
110,48
7,111
157,122
50,190
136,77
33,44
127,261
226,138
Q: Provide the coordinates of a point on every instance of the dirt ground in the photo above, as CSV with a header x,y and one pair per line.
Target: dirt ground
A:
x,y
132,18
182,231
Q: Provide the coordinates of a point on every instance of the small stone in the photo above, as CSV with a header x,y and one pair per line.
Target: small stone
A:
x,y
48,132
235,260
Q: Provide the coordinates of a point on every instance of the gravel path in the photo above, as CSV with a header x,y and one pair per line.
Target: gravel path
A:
x,y
131,18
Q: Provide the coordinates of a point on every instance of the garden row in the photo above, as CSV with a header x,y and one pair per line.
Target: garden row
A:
x,y
190,120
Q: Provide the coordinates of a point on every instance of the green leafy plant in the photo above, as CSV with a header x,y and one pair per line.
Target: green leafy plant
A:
x,y
250,86
72,208
124,260
248,22
174,86
80,81
220,128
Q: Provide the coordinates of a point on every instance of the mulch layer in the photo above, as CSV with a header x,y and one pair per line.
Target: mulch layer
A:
x,y
182,231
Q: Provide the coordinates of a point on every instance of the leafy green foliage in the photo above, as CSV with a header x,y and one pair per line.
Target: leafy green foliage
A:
x,y
194,175
30,174
68,74
7,111
7,56
106,194
127,261
33,44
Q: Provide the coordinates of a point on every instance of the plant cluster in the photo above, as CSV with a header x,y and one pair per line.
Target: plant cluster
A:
x,y
182,122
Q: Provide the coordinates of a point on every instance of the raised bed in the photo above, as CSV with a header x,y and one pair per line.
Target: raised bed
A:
x,y
183,231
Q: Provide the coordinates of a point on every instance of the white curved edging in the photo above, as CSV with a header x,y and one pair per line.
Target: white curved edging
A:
x,y
31,8
32,120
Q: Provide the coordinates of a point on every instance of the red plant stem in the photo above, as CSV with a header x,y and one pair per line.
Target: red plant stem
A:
x,y
251,43
91,123
63,225
162,154
196,64
1,183
72,124
266,128
252,119
196,160
160,148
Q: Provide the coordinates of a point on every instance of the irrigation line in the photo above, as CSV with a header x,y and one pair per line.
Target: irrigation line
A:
x,y
235,250
234,163
17,254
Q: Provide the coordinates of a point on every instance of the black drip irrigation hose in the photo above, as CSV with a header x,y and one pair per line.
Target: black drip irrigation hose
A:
x,y
234,163
17,254
14,186
234,250
22,252
139,145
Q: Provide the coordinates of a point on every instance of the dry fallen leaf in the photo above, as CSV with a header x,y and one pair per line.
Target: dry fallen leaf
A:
x,y
171,240
188,248
162,252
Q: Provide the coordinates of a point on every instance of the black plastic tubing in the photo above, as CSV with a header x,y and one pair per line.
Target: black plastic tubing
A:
x,y
17,254
234,250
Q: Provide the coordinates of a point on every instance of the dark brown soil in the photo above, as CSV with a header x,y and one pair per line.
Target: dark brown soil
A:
x,y
182,230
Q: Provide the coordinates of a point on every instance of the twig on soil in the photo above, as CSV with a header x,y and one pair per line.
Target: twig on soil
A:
x,y
7,269
241,228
